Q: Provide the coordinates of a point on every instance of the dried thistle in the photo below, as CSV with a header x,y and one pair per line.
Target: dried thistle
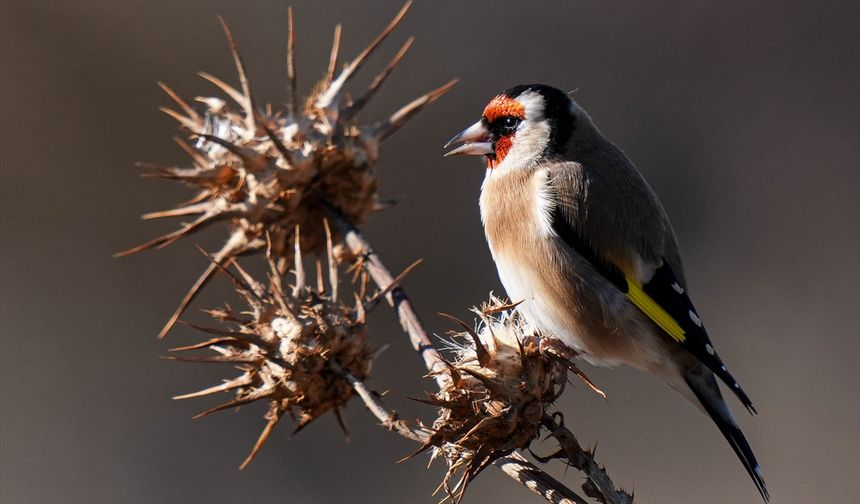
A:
x,y
266,173
501,385
287,344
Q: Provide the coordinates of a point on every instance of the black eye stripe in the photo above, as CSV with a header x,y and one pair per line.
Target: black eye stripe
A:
x,y
503,126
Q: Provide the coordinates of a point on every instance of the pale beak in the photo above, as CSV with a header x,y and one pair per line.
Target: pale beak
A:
x,y
476,141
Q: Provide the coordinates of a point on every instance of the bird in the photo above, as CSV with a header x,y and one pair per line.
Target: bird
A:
x,y
582,242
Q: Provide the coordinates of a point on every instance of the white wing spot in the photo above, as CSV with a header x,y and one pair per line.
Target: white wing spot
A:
x,y
678,288
709,349
737,385
723,367
695,318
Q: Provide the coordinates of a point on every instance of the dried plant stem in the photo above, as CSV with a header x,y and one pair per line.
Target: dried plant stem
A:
x,y
396,297
513,465
539,482
371,400
599,484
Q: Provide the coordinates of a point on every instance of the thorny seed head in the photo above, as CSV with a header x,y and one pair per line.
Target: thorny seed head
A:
x,y
283,344
267,173
501,385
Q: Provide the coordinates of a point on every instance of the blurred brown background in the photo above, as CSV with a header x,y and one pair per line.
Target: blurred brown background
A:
x,y
743,116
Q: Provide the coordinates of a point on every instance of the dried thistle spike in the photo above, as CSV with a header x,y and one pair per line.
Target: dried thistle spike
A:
x,y
282,149
255,286
396,121
275,414
177,212
293,102
481,352
332,260
199,160
240,401
338,413
362,101
227,386
166,239
191,114
181,119
223,340
248,292
360,313
298,268
332,60
244,337
252,162
372,302
232,247
223,86
320,279
246,359
331,94
247,98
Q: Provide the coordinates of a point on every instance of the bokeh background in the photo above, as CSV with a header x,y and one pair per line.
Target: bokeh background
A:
x,y
742,115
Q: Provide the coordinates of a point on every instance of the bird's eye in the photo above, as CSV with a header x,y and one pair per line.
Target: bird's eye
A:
x,y
509,124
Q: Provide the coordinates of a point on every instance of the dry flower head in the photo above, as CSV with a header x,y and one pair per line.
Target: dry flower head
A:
x,y
284,344
501,384
265,173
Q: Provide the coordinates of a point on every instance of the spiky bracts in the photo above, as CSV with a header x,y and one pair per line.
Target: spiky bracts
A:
x,y
501,385
266,173
292,345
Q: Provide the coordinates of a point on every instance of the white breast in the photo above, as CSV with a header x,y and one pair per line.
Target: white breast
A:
x,y
523,285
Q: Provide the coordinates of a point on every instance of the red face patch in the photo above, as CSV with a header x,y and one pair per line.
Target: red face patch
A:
x,y
503,145
500,107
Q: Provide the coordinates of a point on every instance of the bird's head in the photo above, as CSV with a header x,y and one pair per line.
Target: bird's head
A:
x,y
520,127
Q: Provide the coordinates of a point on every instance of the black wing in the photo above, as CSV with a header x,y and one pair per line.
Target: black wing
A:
x,y
662,299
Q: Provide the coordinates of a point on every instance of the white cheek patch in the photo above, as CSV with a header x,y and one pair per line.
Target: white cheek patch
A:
x,y
531,137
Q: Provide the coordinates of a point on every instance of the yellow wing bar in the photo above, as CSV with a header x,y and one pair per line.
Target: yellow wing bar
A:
x,y
654,311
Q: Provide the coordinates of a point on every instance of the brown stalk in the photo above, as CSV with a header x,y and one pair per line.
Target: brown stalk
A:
x,y
396,297
388,419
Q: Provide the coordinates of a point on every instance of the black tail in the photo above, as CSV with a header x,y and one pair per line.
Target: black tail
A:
x,y
708,393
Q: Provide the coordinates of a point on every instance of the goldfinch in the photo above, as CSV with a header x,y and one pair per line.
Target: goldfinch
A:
x,y
582,241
